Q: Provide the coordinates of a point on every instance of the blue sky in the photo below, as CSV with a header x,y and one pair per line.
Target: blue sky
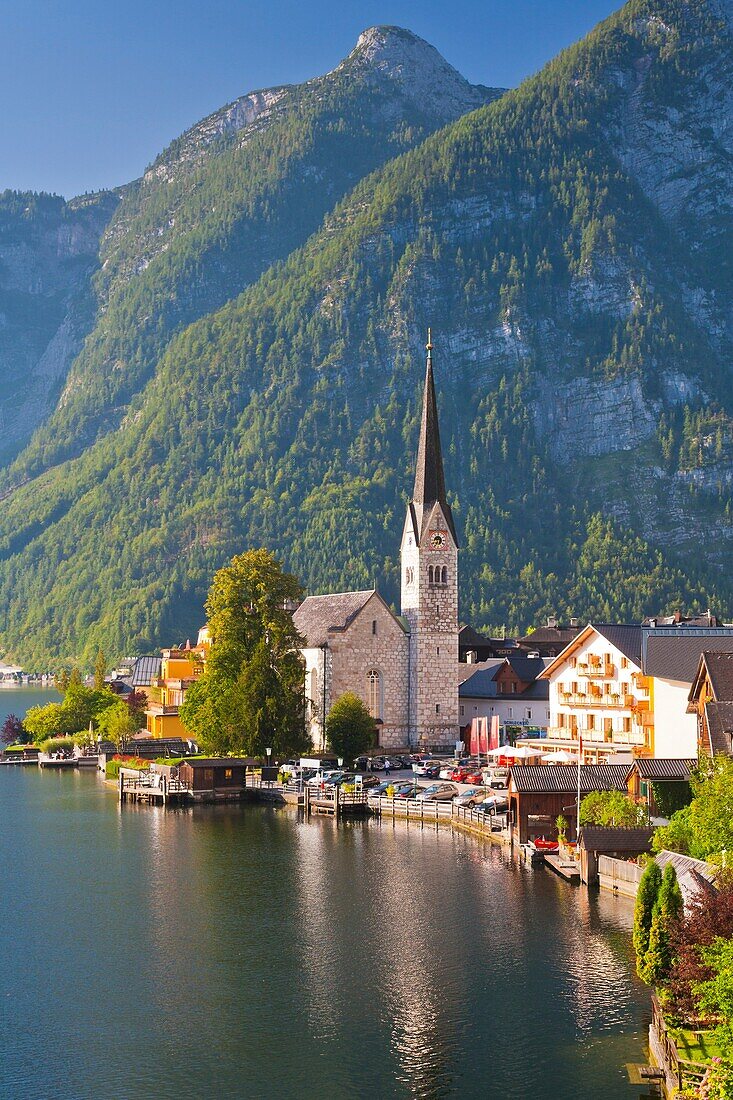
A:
x,y
92,90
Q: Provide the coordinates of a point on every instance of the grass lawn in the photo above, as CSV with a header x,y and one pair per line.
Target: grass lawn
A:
x,y
696,1046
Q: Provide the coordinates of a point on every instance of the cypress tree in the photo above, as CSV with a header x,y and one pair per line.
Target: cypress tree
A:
x,y
668,908
646,899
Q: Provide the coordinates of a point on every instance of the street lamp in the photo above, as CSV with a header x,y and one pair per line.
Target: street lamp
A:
x,y
341,761
269,754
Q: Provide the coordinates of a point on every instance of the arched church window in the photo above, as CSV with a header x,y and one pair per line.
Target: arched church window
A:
x,y
376,694
430,574
444,575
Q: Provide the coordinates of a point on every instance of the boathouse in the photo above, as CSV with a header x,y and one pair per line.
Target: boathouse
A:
x,y
538,795
614,841
215,779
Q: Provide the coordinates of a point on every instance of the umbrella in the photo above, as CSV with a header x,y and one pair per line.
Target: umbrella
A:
x,y
560,757
521,752
502,750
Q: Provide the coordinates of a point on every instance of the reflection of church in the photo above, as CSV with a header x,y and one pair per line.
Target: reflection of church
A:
x,y
405,669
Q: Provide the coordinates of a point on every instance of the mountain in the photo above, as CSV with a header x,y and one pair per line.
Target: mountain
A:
x,y
236,193
570,245
49,250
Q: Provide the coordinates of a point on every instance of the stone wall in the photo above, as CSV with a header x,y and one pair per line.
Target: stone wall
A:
x,y
374,640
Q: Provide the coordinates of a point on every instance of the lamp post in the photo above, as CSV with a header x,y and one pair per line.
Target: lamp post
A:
x,y
268,753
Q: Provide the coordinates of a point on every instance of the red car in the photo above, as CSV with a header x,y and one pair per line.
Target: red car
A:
x,y
476,779
458,775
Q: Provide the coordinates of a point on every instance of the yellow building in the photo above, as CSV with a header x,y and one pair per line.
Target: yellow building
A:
x,y
179,668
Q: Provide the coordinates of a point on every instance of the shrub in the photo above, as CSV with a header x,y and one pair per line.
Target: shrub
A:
x,y
57,744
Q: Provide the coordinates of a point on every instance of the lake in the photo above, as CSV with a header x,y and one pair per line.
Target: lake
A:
x,y
242,952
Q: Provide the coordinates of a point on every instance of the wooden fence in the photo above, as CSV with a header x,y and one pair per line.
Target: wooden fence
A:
x,y
619,875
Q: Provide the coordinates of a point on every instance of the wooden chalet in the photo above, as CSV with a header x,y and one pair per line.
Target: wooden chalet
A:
x,y
711,699
646,772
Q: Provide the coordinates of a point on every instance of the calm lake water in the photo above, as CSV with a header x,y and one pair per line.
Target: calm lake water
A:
x,y
240,952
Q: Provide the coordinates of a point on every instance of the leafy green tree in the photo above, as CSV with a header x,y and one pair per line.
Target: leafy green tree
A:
x,y
61,681
349,727
252,692
667,913
704,829
646,899
119,722
610,808
100,670
79,707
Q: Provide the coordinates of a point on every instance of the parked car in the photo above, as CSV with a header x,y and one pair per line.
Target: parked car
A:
x,y
361,764
377,763
438,792
395,762
474,777
369,781
446,771
409,790
459,775
429,769
498,782
471,798
494,805
324,778
394,784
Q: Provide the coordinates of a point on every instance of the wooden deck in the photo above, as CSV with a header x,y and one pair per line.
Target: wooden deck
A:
x,y
150,788
48,762
566,868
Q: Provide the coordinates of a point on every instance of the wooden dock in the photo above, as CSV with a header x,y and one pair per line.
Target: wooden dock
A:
x,y
333,802
45,761
151,788
566,868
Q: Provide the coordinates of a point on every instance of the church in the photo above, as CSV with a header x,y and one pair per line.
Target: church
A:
x,y
405,668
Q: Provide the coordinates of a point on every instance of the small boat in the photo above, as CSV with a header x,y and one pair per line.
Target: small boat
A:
x,y
542,844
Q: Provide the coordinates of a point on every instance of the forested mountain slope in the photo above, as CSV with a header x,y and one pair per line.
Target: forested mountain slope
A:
x,y
577,278
234,194
48,252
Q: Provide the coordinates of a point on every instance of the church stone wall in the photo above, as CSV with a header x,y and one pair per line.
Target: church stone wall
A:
x,y
357,650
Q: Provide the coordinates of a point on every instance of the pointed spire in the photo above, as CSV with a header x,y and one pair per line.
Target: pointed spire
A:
x,y
429,477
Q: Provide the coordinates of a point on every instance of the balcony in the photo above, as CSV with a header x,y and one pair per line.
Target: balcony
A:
x,y
643,683
593,739
158,709
579,699
596,670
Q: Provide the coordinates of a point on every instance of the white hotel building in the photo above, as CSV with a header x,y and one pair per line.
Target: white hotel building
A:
x,y
598,693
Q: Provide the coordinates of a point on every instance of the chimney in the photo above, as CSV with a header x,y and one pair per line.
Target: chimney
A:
x,y
471,657
677,617
574,622
551,621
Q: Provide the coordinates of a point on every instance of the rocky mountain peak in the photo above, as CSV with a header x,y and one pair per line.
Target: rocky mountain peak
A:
x,y
423,76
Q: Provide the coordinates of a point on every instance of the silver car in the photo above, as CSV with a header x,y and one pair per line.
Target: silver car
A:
x,y
471,797
439,792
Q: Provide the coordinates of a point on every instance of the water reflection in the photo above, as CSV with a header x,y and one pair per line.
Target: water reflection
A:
x,y
244,951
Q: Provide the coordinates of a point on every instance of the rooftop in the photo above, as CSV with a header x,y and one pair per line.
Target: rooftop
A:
x,y
600,838
720,727
670,655
663,768
562,778
317,616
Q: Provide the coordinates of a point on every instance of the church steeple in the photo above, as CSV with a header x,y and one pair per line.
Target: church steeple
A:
x,y
429,477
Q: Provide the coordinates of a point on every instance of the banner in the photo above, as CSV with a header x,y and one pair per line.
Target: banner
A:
x,y
494,737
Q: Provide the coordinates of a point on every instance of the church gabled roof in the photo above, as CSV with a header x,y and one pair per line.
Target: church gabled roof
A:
x,y
319,616
429,488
